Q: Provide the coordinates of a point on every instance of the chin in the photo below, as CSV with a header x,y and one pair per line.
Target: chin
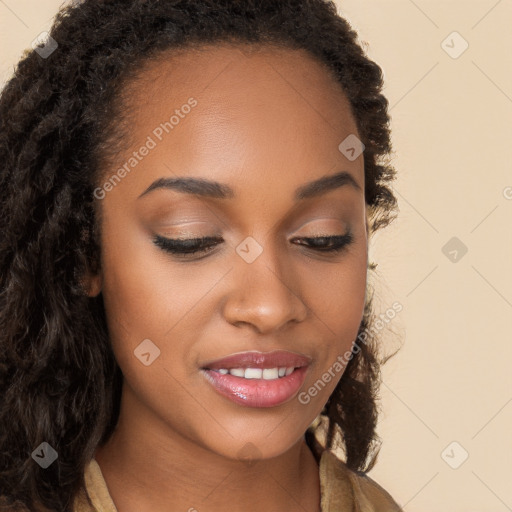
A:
x,y
263,445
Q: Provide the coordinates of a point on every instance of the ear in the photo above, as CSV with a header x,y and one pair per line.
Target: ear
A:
x,y
92,283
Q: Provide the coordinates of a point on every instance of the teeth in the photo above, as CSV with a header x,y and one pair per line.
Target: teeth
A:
x,y
253,373
270,373
258,373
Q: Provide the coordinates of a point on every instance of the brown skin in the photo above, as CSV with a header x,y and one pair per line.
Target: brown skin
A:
x,y
265,124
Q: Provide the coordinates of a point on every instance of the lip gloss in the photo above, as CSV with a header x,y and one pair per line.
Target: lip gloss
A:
x,y
257,392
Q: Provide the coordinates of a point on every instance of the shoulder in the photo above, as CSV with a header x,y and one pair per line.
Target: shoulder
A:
x,y
342,487
94,497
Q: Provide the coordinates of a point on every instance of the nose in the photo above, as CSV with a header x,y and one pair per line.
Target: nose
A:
x,y
265,294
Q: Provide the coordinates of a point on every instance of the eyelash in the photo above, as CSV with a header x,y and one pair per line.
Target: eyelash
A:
x,y
203,245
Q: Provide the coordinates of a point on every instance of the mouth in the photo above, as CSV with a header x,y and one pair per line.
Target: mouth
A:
x,y
258,379
257,373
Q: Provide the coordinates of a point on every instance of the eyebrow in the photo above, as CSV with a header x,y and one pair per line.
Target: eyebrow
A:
x,y
213,189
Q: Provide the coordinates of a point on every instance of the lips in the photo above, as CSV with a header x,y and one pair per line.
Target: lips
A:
x,y
257,379
261,360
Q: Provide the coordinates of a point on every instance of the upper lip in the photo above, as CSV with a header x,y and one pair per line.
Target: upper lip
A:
x,y
255,359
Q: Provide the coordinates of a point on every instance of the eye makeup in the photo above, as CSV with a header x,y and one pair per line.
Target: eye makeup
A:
x,y
185,247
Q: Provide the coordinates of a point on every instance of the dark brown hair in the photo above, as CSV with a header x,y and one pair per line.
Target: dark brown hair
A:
x,y
59,381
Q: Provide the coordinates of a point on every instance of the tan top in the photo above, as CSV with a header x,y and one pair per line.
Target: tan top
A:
x,y
341,490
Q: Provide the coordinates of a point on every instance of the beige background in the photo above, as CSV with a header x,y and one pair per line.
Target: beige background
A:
x,y
452,133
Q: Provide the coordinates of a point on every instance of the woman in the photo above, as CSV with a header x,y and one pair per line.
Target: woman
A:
x,y
188,190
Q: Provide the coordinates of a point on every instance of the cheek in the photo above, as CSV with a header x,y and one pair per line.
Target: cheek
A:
x,y
337,299
148,311
336,296
147,296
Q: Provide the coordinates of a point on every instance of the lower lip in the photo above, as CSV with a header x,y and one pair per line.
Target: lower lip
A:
x,y
257,392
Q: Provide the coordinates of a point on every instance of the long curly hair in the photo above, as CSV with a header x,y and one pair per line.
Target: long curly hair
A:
x,y
60,119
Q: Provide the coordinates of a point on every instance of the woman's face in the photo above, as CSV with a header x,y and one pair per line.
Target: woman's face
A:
x,y
263,127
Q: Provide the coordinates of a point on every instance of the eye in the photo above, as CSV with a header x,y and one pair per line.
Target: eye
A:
x,y
330,244
182,247
185,247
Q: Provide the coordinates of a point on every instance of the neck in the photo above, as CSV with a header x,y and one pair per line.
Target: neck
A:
x,y
147,466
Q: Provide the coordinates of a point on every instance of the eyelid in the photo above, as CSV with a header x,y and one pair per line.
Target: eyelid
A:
x,y
330,218
335,226
176,225
190,230
340,225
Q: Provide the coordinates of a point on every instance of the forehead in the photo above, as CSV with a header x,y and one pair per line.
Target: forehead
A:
x,y
236,74
261,114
